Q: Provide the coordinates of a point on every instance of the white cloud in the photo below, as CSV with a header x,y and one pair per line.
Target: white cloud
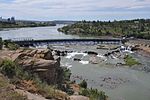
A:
x,y
50,9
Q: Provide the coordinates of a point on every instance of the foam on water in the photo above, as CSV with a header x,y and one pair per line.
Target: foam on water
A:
x,y
70,55
84,62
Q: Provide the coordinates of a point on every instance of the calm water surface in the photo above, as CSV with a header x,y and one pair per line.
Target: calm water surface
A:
x,y
49,32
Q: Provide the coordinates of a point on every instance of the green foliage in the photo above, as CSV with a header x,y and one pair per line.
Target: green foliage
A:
x,y
11,69
8,68
93,94
130,61
11,46
25,24
64,85
66,74
83,84
138,28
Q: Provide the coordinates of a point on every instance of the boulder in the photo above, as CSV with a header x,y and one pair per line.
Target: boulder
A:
x,y
44,54
76,59
96,60
91,52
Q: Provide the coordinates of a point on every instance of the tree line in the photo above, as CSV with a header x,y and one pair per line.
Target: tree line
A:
x,y
138,28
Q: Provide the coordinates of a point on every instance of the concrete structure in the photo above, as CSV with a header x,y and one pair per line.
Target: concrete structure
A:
x,y
31,42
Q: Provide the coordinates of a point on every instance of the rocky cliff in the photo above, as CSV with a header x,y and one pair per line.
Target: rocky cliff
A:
x,y
38,61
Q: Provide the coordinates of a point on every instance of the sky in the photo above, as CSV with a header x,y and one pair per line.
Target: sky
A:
x,y
75,9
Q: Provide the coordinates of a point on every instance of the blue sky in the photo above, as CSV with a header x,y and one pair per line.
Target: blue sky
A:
x,y
75,9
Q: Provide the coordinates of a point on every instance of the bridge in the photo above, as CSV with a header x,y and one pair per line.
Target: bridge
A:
x,y
31,42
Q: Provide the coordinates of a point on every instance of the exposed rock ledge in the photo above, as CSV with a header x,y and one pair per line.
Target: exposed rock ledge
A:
x,y
38,61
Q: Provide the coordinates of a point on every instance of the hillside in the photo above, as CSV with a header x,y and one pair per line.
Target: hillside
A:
x,y
138,28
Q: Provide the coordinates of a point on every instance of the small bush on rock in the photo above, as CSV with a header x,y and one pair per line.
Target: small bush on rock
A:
x,y
83,84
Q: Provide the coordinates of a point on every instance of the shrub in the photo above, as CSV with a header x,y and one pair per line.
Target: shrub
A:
x,y
93,94
130,61
83,84
8,68
11,69
11,46
66,74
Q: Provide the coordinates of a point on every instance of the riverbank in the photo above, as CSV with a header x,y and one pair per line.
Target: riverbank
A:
x,y
138,28
22,24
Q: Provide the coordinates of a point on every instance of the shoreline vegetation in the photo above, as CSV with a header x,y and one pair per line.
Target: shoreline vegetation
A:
x,y
137,28
21,24
130,61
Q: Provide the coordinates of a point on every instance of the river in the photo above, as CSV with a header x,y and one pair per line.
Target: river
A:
x,y
126,84
36,33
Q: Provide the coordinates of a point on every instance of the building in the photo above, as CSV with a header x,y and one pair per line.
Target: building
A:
x,y
12,19
9,20
1,18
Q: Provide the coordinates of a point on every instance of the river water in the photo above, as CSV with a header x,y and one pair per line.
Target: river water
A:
x,y
119,83
36,33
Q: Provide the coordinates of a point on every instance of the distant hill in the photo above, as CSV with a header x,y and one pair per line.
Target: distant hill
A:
x,y
138,28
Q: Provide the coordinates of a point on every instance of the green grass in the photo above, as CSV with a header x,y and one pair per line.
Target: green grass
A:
x,y
130,61
93,94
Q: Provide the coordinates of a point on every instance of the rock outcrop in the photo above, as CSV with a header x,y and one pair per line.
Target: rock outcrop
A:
x,y
40,62
78,97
